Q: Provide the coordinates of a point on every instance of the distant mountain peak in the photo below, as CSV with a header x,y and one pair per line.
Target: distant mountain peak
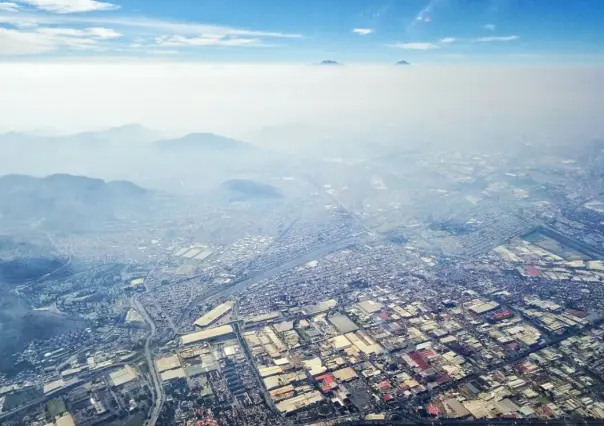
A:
x,y
329,62
203,141
126,133
402,63
67,202
65,181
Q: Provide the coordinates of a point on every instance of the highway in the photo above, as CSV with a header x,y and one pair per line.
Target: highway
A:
x,y
159,395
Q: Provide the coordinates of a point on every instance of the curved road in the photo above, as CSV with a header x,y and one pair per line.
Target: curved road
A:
x,y
159,389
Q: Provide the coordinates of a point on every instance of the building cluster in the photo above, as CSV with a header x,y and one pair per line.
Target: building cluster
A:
x,y
208,378
547,384
105,392
473,293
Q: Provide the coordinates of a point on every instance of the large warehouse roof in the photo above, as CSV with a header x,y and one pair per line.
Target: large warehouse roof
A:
x,y
320,307
343,323
177,373
370,306
123,375
481,308
262,317
345,374
167,363
298,402
207,334
211,316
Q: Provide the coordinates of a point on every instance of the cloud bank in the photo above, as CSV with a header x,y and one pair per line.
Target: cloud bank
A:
x,y
23,34
448,105
70,6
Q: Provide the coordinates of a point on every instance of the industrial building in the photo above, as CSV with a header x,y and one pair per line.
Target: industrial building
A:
x,y
177,373
214,315
194,254
207,334
343,323
345,374
320,307
481,308
167,363
370,306
123,376
257,319
297,402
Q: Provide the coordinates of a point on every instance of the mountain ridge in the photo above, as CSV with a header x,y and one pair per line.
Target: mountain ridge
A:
x,y
67,202
203,141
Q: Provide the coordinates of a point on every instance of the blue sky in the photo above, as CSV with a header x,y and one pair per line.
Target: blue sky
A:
x,y
307,31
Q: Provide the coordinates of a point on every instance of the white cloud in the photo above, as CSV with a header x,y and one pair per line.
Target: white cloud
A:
x,y
489,27
135,31
15,42
447,40
68,32
362,31
19,20
155,25
187,28
100,33
497,38
70,6
20,42
415,46
24,24
9,7
103,33
206,40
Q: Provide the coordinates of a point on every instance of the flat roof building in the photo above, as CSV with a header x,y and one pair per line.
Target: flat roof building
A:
x,y
177,373
65,420
320,307
270,371
123,376
214,315
454,408
481,308
167,363
345,374
343,323
207,334
263,317
370,306
297,402
56,384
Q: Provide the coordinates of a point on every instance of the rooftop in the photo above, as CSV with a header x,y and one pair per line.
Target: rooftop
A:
x,y
213,315
123,375
167,363
207,334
